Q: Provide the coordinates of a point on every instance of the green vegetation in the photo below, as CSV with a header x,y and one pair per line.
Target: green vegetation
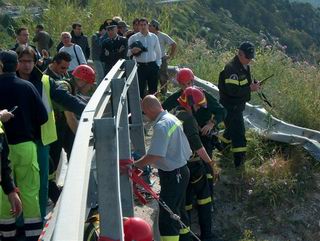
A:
x,y
315,3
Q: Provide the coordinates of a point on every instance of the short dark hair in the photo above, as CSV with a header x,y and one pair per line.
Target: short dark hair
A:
x,y
40,26
143,20
61,56
74,25
19,30
102,26
136,20
26,50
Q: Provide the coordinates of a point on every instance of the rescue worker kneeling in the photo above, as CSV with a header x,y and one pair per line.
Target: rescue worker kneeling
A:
x,y
191,100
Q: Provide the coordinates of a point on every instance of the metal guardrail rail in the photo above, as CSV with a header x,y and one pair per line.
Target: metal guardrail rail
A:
x,y
258,119
102,137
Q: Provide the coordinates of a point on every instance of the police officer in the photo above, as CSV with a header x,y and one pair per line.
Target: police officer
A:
x,y
235,86
191,100
114,47
169,151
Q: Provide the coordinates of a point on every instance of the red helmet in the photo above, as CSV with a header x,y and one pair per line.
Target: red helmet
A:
x,y
192,96
85,73
136,229
184,75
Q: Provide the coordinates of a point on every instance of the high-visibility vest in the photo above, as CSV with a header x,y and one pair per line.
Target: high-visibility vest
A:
x,y
48,129
1,128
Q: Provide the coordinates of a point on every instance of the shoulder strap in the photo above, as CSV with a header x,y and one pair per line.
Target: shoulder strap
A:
x,y
74,49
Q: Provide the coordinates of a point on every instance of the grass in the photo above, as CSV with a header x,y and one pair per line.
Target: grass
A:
x,y
293,91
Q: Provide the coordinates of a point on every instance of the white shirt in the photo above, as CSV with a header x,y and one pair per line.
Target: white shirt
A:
x,y
151,42
73,50
164,39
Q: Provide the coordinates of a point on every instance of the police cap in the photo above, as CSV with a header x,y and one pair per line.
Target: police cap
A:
x,y
110,23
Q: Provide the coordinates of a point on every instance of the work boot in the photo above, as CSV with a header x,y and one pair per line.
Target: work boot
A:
x,y
239,158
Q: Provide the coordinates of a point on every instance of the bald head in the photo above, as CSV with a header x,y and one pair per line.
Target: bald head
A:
x,y
151,106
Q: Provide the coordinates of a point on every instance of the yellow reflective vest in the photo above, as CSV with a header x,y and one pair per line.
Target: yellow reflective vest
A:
x,y
48,129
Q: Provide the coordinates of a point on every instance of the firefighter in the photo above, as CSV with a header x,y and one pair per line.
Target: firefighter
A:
x,y
208,119
169,151
190,102
235,86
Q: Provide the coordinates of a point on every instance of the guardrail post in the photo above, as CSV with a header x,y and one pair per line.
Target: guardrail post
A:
x,y
124,146
136,128
107,154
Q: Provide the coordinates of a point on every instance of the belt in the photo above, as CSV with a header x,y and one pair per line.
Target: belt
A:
x,y
146,64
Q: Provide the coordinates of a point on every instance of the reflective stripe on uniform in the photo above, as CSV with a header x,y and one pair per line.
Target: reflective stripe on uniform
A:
x,y
8,221
236,82
174,127
169,238
204,201
197,180
33,233
1,128
188,207
32,220
9,234
209,176
239,149
184,230
225,140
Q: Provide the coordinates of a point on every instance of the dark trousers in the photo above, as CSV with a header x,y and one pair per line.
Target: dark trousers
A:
x,y
163,75
65,141
148,76
199,187
235,131
209,146
173,193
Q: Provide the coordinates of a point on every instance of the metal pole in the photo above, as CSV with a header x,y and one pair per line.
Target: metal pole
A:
x,y
124,146
107,156
136,128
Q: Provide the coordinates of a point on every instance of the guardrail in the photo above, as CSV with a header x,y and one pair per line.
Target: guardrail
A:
x,y
102,137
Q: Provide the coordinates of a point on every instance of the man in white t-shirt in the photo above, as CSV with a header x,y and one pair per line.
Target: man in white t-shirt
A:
x,y
145,49
164,40
75,51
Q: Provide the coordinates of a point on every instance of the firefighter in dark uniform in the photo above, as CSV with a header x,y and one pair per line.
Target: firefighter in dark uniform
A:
x,y
191,101
114,47
209,119
235,86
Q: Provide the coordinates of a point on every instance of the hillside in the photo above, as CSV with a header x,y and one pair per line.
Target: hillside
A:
x,y
293,27
315,3
290,25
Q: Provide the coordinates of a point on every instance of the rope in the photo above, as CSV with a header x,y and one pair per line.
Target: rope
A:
x,y
134,174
